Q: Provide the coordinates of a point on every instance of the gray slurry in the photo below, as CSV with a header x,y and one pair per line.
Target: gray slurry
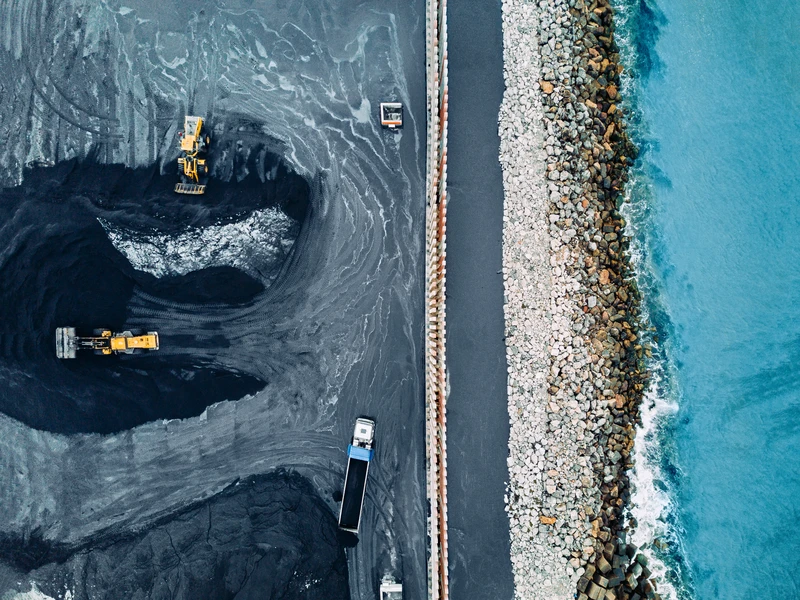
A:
x,y
477,416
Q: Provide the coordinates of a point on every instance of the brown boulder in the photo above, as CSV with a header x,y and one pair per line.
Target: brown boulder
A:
x,y
609,132
547,520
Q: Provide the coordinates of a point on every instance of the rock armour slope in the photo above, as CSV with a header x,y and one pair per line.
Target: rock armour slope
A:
x,y
575,360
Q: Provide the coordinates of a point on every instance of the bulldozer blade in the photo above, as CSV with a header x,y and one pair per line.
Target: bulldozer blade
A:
x,y
190,188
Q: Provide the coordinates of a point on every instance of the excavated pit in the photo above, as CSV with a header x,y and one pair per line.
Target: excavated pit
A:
x,y
60,264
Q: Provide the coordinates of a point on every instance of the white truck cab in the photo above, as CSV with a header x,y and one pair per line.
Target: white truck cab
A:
x,y
365,431
391,115
391,590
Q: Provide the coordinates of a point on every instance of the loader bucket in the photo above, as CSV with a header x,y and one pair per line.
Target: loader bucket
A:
x,y
190,188
65,342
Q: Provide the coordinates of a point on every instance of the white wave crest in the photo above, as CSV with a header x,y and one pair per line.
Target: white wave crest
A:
x,y
651,503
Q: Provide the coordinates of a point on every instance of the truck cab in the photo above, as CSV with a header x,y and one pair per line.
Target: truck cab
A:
x,y
364,432
390,590
391,114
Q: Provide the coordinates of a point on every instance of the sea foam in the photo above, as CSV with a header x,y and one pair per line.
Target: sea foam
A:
x,y
652,502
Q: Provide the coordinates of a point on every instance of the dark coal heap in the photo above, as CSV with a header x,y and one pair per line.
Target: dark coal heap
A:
x,y
267,537
59,268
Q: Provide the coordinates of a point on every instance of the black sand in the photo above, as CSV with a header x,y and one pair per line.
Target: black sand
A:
x,y
266,537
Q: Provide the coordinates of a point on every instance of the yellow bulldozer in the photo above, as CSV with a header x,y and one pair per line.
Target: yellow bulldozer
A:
x,y
192,164
103,341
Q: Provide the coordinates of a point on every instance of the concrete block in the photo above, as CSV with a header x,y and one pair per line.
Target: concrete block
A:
x,y
632,581
595,592
600,580
603,564
608,551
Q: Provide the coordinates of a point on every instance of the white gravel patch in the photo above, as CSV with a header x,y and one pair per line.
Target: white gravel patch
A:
x,y
539,569
256,245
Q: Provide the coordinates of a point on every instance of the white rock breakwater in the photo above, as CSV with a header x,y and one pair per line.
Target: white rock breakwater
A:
x,y
575,375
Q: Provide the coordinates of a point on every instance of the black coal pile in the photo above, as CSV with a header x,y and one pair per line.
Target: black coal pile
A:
x,y
269,537
59,268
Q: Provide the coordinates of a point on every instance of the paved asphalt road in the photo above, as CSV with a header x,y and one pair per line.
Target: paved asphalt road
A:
x,y
480,566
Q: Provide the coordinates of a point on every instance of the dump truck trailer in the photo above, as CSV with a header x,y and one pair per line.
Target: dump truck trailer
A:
x,y
359,455
104,341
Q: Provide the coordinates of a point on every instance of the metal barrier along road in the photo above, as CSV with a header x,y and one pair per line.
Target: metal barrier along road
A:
x,y
435,271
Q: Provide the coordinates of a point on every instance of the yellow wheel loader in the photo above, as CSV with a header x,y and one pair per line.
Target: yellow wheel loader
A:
x,y
192,165
103,341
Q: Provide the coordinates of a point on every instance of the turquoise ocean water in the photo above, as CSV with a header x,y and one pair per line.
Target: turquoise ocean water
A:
x,y
714,87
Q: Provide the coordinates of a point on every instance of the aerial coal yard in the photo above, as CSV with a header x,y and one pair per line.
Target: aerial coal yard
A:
x,y
213,257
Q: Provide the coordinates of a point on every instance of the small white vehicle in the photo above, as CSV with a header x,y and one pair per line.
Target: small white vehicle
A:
x,y
391,590
392,115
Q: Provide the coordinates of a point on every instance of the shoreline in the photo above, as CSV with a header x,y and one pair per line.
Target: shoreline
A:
x,y
576,361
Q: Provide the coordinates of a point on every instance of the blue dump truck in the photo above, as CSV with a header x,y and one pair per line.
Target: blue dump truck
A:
x,y
359,455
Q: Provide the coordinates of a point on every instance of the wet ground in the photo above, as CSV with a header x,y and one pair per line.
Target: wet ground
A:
x,y
288,299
